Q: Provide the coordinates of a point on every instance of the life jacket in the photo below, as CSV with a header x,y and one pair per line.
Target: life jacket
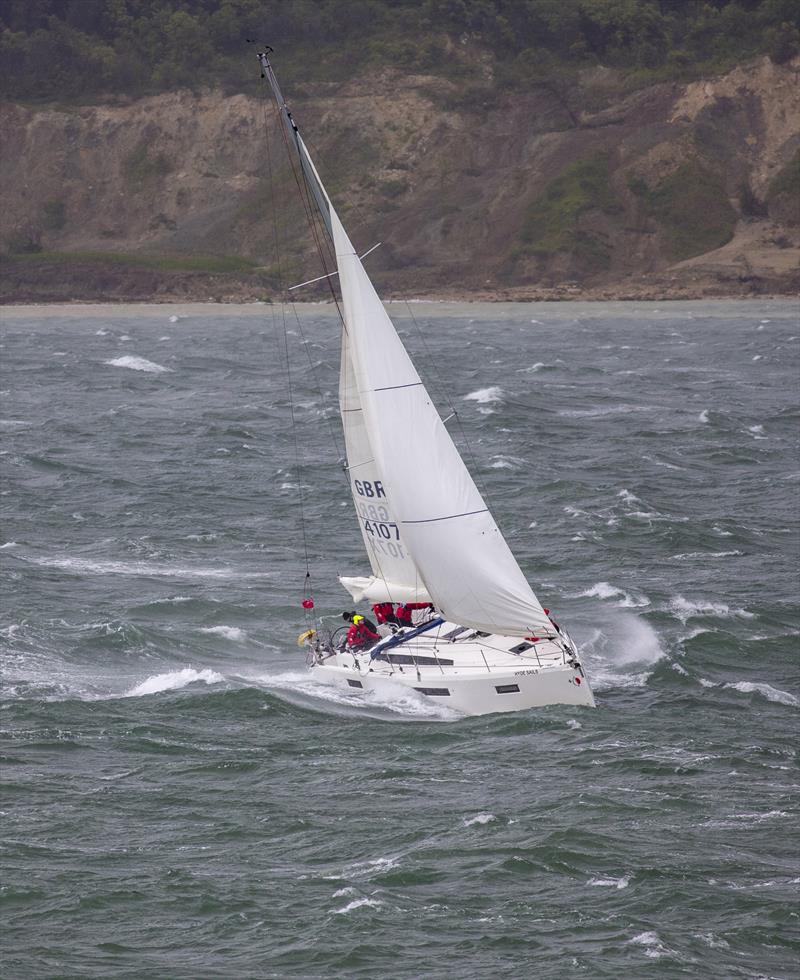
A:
x,y
384,612
359,635
404,611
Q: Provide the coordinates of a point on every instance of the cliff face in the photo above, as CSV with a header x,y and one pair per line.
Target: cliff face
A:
x,y
671,190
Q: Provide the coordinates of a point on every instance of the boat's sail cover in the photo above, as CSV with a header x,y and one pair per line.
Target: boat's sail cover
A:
x,y
427,529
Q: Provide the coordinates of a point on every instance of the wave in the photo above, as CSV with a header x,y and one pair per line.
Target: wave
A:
x,y
358,903
82,566
604,590
174,681
386,700
622,653
767,691
685,609
135,363
486,396
697,555
618,883
228,632
480,818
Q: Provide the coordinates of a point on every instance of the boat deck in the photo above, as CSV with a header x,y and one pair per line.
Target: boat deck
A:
x,y
449,648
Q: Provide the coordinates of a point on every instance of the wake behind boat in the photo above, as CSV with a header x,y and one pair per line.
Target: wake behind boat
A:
x,y
481,640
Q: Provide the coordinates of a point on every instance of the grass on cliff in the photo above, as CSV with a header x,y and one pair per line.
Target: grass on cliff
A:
x,y
551,223
692,207
161,263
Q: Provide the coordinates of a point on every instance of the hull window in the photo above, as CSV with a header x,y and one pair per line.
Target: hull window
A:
x,y
434,692
354,683
507,688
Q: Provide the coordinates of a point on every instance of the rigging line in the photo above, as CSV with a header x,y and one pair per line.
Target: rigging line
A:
x,y
279,269
310,213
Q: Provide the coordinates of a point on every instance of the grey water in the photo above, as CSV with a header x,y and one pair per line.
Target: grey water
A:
x,y
181,800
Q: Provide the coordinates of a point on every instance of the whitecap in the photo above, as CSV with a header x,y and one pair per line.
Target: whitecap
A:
x,y
685,609
357,903
485,396
604,590
124,337
693,555
174,319
228,632
101,333
654,948
481,818
619,883
174,680
703,416
8,544
135,363
767,691
758,357
82,566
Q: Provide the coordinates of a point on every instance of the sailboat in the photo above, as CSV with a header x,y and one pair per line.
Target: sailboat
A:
x,y
483,643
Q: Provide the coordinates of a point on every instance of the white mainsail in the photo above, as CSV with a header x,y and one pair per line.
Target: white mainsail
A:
x,y
403,463
394,575
458,550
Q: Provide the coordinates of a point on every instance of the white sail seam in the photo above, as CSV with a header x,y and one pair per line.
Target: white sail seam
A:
x,y
411,384
448,517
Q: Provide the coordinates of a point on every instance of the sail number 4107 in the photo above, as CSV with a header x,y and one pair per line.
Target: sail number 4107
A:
x,y
388,531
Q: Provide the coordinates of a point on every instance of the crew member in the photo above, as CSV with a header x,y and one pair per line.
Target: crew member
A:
x,y
356,618
405,610
384,613
360,636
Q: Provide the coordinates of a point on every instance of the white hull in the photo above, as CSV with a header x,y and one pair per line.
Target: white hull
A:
x,y
475,675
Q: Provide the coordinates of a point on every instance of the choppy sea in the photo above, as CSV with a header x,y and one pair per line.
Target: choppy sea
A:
x,y
181,800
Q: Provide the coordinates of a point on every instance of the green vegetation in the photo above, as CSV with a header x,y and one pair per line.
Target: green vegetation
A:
x,y
552,222
54,214
163,263
692,206
141,167
783,193
85,49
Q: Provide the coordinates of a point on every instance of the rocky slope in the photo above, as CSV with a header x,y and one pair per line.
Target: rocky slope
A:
x,y
672,190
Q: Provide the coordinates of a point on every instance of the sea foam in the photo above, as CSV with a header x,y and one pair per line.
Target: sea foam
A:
x,y
174,680
135,363
767,691
228,632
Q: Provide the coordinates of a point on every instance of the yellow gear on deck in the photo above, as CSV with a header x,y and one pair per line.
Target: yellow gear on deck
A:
x,y
306,637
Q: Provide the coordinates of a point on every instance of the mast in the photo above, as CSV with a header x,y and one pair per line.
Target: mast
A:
x,y
295,139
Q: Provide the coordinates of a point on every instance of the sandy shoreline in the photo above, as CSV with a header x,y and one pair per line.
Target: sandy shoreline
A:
x,y
400,309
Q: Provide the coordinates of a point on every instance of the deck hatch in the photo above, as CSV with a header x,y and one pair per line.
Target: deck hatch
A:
x,y
507,688
521,648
